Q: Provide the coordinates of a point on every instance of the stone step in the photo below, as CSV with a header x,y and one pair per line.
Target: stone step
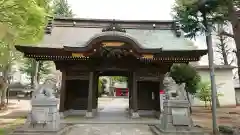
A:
x,y
154,130
157,131
147,122
64,131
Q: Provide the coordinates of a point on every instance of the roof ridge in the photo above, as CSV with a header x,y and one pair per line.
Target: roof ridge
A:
x,y
111,20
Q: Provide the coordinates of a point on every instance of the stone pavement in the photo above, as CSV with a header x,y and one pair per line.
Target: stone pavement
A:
x,y
105,123
112,112
110,129
116,109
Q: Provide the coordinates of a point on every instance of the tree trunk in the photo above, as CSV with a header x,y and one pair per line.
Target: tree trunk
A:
x,y
4,89
32,74
39,66
32,81
189,102
223,50
233,17
36,78
210,104
3,95
222,47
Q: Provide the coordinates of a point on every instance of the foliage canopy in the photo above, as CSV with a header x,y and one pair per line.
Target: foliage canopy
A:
x,y
204,92
189,13
61,8
44,68
184,73
23,20
119,78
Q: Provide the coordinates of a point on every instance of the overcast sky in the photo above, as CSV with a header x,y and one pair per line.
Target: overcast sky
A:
x,y
123,9
126,10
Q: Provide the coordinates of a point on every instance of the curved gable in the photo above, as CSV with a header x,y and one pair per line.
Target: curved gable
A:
x,y
113,36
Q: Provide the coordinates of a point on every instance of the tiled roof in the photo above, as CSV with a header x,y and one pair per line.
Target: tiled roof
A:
x,y
216,67
77,37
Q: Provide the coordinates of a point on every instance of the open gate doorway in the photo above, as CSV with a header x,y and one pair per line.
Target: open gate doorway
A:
x,y
113,95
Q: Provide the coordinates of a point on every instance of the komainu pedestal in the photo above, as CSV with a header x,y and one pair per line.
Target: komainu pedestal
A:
x,y
44,117
176,118
176,115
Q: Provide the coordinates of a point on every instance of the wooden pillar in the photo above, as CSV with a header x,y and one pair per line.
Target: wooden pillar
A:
x,y
130,83
94,95
90,95
157,99
62,106
135,96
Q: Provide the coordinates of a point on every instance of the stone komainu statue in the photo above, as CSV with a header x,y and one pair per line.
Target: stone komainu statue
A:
x,y
174,90
46,89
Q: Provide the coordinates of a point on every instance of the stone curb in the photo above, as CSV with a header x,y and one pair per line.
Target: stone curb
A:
x,y
154,130
64,131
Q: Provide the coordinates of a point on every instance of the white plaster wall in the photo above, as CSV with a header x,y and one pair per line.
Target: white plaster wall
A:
x,y
225,86
120,85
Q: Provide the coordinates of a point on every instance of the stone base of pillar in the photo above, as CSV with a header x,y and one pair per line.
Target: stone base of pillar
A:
x,y
95,111
135,115
62,115
157,114
89,115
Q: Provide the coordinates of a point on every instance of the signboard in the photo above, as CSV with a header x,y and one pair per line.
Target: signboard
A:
x,y
148,56
77,55
180,116
162,97
179,111
40,114
112,44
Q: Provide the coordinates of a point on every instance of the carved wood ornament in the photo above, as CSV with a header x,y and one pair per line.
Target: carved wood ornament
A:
x,y
113,27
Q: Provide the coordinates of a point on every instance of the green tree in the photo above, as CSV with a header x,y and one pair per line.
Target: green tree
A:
x,y
101,85
23,21
119,78
8,57
61,8
4,55
184,73
44,68
204,92
223,48
217,11
20,22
